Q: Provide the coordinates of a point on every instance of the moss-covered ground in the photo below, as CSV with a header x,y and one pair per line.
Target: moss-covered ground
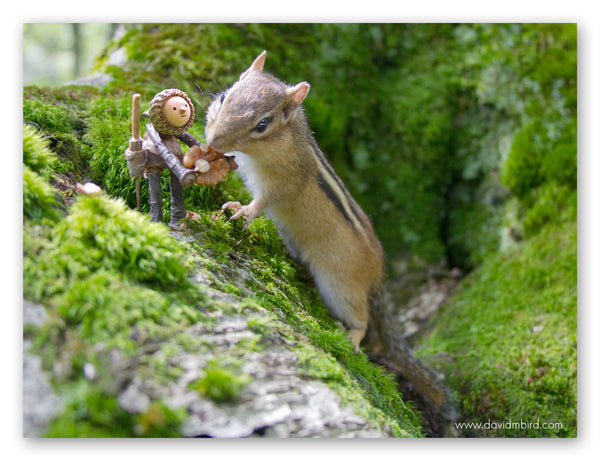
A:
x,y
507,341
112,283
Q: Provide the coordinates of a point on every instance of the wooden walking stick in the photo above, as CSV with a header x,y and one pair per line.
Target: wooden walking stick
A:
x,y
134,154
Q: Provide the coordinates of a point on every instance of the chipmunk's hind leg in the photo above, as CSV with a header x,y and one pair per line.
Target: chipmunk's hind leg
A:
x,y
356,335
349,304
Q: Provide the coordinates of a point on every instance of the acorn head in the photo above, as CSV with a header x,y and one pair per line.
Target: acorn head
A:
x,y
171,112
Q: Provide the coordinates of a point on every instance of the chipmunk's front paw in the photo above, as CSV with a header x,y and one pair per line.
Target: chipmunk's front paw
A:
x,y
235,206
246,211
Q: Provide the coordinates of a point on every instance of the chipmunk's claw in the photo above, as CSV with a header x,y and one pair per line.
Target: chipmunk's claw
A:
x,y
234,206
242,211
231,206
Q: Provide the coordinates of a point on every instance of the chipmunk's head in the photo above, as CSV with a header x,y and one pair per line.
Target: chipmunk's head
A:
x,y
253,111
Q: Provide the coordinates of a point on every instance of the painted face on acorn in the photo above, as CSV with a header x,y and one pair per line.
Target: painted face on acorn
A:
x,y
177,111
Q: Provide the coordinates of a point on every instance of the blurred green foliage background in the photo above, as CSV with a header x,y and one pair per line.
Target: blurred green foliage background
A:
x,y
437,129
55,53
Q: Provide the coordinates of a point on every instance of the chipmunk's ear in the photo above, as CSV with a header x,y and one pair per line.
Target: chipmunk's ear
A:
x,y
295,96
257,65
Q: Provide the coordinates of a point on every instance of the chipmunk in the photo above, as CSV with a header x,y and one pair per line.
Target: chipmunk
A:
x,y
260,119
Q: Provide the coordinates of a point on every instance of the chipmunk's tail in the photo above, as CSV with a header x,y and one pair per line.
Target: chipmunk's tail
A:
x,y
399,358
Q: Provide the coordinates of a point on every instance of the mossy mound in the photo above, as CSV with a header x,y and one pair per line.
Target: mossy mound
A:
x,y
507,341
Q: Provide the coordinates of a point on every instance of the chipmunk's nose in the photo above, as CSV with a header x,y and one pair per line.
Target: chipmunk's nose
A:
x,y
214,141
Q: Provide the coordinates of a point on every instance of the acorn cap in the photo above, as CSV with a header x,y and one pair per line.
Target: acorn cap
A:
x,y
157,116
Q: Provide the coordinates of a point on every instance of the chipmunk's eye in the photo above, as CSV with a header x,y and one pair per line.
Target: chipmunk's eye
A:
x,y
262,125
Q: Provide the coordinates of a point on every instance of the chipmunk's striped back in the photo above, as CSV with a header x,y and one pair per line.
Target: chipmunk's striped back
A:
x,y
335,191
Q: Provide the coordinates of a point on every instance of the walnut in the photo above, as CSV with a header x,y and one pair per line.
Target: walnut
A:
x,y
210,165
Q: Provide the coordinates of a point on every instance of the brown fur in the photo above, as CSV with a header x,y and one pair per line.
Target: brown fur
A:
x,y
319,221
345,257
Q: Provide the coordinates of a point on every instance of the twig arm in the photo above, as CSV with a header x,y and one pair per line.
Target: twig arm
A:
x,y
187,177
188,139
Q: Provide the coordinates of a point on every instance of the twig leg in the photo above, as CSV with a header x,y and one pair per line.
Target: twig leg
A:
x,y
156,201
177,203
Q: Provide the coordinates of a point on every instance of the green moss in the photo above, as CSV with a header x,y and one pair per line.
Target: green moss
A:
x,y
60,115
542,174
109,130
39,197
101,233
105,269
160,421
359,381
219,383
264,326
40,200
36,154
90,413
53,118
103,292
508,340
212,55
552,203
522,171
103,305
560,164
